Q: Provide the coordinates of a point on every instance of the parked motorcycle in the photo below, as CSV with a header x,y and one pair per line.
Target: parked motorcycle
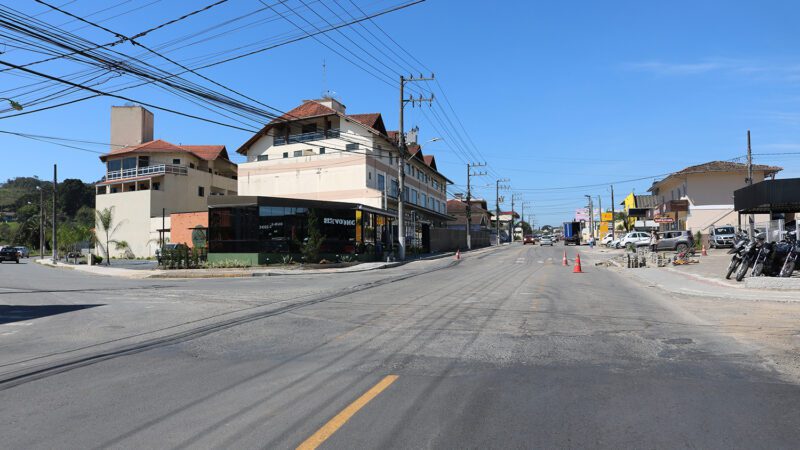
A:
x,y
749,255
791,259
736,251
770,258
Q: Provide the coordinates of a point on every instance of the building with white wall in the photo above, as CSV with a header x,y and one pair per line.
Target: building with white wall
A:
x,y
317,151
701,196
145,179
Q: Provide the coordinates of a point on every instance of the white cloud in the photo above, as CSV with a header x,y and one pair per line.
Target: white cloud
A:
x,y
754,70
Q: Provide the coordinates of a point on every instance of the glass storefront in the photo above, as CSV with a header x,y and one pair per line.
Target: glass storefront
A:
x,y
272,228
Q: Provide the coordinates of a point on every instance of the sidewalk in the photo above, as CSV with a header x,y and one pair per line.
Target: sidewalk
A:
x,y
244,272
707,279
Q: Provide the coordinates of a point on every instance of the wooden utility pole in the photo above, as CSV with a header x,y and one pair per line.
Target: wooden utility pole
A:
x,y
401,177
469,199
497,207
55,217
751,219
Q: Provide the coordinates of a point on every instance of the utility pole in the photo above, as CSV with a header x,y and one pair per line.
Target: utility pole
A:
x,y
469,198
751,219
511,228
591,216
41,221
599,215
401,174
613,215
497,207
55,218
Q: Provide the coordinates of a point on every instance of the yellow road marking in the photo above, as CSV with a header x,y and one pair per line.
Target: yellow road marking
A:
x,y
340,419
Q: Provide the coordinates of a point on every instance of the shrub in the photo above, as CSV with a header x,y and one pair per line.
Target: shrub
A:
x,y
229,264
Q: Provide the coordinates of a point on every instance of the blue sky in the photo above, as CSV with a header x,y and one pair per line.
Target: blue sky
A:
x,y
552,94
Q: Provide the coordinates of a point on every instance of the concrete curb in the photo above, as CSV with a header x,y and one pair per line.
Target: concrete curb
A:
x,y
240,273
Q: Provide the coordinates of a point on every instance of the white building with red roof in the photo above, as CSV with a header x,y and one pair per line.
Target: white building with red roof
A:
x,y
317,151
145,178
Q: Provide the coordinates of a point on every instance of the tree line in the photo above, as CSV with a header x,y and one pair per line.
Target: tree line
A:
x,y
20,206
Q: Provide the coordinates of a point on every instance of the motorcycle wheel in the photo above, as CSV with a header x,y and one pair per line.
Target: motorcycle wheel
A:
x,y
758,269
788,268
742,270
732,267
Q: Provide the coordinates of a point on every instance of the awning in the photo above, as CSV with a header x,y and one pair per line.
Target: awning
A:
x,y
776,196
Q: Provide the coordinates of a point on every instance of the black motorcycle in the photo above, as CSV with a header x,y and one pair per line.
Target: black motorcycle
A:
x,y
770,258
749,255
736,259
791,259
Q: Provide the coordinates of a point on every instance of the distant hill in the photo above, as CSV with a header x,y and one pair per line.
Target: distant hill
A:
x,y
16,193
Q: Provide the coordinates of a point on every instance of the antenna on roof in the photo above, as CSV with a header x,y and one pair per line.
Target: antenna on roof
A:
x,y
326,93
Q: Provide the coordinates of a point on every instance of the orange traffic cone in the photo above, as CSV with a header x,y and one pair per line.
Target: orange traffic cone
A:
x,y
577,268
703,251
564,261
458,254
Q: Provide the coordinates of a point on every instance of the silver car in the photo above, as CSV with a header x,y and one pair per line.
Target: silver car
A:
x,y
546,240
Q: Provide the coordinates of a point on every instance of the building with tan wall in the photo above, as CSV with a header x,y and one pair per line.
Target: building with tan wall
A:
x,y
317,151
145,179
701,196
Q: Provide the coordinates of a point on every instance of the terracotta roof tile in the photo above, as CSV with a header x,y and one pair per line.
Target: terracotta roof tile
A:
x,y
206,152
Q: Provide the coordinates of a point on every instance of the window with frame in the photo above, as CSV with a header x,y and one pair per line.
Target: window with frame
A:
x,y
176,161
285,154
381,182
297,153
322,150
350,147
262,158
413,196
395,188
201,191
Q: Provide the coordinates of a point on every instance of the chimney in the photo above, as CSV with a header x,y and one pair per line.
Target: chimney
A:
x,y
333,104
411,136
130,125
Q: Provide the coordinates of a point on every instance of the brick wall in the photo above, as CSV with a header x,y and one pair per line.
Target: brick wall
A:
x,y
181,225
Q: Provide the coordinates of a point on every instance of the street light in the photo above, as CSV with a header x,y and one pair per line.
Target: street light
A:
x,y
14,104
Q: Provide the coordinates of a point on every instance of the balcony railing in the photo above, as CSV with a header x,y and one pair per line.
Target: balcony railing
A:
x,y
305,137
156,169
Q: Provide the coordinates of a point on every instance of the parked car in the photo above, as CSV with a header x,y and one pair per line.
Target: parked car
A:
x,y
607,239
546,240
9,254
637,238
722,237
678,240
23,252
528,239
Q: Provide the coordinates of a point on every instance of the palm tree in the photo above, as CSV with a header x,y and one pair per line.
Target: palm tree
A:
x,y
105,220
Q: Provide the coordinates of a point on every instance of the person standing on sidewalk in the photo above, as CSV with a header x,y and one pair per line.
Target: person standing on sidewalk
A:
x,y
654,241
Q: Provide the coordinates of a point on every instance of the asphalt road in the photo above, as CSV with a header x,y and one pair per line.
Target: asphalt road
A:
x,y
506,349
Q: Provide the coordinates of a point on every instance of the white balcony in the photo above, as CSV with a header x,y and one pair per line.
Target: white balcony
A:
x,y
157,169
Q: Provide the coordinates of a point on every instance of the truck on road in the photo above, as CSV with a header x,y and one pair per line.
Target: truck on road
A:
x,y
572,233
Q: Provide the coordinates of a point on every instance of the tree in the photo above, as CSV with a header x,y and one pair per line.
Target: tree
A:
x,y
105,229
85,216
314,240
526,228
73,194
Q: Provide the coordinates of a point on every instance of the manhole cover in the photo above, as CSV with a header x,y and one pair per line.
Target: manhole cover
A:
x,y
678,341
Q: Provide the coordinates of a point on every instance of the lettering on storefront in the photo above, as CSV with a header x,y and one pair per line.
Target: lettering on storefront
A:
x,y
336,221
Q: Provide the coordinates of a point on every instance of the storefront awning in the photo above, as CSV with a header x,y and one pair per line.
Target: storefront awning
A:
x,y
776,196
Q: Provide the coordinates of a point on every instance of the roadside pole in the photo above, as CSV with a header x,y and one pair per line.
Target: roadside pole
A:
x,y
497,207
469,198
401,177
751,219
41,221
613,216
55,218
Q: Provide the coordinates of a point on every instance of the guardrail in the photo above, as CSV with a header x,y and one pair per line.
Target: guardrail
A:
x,y
306,137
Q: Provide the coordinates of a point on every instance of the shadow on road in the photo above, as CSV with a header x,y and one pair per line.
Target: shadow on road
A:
x,y
16,313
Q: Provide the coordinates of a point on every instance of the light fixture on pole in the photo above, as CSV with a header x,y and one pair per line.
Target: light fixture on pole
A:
x,y
14,104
